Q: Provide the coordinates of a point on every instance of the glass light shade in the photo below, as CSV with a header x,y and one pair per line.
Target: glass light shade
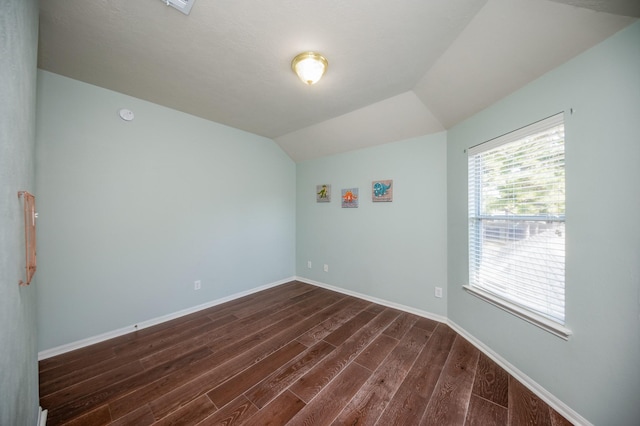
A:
x,y
309,66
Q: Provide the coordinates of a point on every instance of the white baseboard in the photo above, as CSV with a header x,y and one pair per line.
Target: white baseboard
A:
x,y
42,417
382,302
48,353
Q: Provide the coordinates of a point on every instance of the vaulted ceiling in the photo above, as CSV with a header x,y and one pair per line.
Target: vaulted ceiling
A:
x,y
397,69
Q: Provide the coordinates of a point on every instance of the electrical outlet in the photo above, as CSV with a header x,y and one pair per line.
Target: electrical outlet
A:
x,y
197,285
438,291
326,267
309,264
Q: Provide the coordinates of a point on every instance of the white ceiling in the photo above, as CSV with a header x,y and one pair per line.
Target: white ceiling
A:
x,y
397,69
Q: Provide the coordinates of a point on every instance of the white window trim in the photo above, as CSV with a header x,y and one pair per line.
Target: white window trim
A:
x,y
525,314
522,313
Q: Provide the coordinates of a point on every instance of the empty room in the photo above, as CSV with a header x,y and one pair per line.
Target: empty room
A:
x,y
330,213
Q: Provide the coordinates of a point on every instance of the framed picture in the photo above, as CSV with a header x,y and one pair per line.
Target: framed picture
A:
x,y
350,198
382,190
323,193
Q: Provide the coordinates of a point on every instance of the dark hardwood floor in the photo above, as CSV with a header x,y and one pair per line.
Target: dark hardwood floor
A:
x,y
294,354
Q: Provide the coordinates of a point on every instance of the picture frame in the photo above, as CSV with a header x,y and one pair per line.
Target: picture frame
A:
x,y
350,198
323,193
382,190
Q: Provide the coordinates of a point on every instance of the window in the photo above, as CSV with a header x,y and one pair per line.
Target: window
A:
x,y
517,223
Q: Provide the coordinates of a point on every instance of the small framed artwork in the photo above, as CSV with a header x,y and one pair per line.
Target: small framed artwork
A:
x,y
382,190
323,193
350,198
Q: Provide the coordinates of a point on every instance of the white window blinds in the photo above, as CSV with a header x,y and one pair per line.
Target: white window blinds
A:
x,y
516,218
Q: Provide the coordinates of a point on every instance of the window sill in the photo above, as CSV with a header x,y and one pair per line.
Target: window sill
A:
x,y
537,320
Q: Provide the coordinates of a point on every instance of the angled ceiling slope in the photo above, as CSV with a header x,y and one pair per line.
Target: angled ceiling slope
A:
x,y
396,69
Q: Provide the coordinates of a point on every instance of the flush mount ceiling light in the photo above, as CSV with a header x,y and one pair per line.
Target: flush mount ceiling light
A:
x,y
310,66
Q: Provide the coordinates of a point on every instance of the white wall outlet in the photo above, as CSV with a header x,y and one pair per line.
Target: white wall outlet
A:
x,y
197,285
309,264
438,291
326,267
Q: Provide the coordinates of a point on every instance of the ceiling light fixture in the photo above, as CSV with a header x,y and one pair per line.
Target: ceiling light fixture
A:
x,y
309,66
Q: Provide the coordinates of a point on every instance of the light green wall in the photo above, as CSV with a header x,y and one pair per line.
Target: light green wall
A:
x,y
596,372
132,213
18,355
395,251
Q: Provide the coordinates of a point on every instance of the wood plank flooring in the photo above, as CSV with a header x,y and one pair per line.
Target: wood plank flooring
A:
x,y
294,354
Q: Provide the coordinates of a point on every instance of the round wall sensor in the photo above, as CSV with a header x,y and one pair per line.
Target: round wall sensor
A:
x,y
126,114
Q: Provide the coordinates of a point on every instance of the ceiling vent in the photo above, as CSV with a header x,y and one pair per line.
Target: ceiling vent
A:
x,y
183,6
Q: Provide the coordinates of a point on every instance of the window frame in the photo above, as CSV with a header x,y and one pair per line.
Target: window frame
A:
x,y
510,306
